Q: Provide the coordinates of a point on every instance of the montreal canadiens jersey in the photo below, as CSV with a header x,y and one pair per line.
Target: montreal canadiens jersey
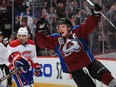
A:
x,y
73,51
3,52
28,50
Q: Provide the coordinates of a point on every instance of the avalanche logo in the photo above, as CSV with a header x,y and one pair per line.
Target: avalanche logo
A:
x,y
70,46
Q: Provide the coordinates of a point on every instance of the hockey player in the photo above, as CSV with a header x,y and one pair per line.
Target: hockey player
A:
x,y
3,51
3,66
18,61
72,49
27,48
2,84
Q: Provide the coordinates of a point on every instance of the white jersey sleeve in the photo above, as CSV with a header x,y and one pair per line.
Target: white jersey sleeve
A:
x,y
3,52
9,51
33,55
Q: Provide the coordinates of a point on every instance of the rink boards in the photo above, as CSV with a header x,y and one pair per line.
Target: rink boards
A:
x,y
52,75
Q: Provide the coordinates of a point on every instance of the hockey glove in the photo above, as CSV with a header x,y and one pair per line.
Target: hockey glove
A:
x,y
16,60
42,25
96,10
24,64
37,69
14,56
11,67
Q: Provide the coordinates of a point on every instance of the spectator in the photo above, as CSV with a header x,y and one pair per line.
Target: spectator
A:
x,y
61,10
13,37
103,44
3,6
24,23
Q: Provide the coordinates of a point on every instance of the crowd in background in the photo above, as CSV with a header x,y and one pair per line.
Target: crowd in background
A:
x,y
27,12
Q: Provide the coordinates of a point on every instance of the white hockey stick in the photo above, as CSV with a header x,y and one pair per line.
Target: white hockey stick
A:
x,y
10,74
102,15
90,2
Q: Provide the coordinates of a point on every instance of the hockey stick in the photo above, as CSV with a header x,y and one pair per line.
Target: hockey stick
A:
x,y
102,15
26,80
10,74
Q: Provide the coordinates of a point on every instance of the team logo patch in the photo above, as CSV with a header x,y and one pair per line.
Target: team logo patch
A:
x,y
61,40
26,54
70,46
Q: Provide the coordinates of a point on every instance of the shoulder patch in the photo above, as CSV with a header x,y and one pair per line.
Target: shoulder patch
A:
x,y
61,40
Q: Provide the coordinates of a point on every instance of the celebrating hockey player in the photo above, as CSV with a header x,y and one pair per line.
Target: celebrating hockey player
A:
x,y
26,47
72,49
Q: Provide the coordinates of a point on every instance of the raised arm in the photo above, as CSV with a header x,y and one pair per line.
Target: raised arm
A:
x,y
42,39
92,21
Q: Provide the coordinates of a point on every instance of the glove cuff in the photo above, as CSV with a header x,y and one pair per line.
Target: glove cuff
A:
x,y
42,26
36,65
95,13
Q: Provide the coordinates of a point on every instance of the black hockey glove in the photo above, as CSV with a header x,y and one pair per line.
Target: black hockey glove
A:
x,y
24,64
42,25
96,10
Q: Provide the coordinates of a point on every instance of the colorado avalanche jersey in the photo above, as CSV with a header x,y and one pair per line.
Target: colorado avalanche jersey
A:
x,y
73,51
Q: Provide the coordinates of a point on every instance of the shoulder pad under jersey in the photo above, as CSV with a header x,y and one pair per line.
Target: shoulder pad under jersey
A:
x,y
75,27
55,34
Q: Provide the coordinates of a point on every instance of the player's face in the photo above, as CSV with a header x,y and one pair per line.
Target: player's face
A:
x,y
63,30
22,38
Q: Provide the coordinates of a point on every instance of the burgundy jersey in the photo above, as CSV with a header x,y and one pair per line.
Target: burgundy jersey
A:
x,y
73,51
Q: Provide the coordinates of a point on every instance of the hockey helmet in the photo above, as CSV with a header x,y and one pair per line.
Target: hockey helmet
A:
x,y
64,21
22,31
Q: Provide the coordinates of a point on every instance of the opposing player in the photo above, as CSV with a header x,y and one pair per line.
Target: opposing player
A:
x,y
3,66
27,48
72,49
3,52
